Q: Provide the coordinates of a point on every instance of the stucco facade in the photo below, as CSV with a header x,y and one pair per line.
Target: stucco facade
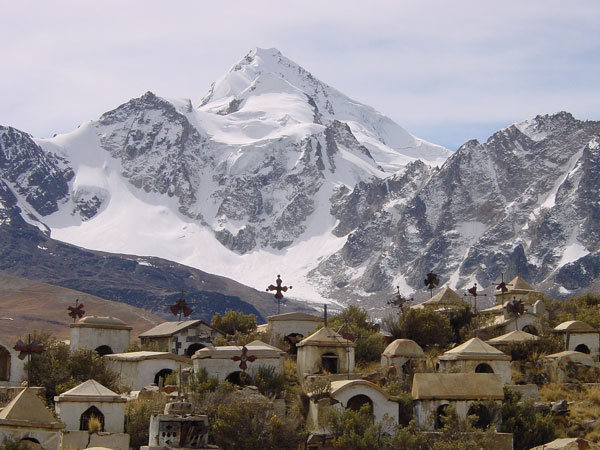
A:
x,y
324,352
401,351
295,323
580,337
12,369
180,338
103,334
139,369
218,362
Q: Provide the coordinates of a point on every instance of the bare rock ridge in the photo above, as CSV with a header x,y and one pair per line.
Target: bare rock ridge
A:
x,y
275,170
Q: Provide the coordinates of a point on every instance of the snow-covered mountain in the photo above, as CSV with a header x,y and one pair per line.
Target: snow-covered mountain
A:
x,y
273,171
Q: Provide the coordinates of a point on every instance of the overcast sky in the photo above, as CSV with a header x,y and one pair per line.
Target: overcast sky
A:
x,y
447,71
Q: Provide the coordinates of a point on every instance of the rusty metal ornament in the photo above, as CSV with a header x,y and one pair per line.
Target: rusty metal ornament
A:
x,y
432,281
502,286
279,289
243,358
398,300
77,311
29,348
472,291
181,307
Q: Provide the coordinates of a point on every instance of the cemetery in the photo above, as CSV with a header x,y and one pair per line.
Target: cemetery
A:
x,y
186,384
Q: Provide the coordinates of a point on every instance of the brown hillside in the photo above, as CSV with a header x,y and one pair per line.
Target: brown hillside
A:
x,y
34,305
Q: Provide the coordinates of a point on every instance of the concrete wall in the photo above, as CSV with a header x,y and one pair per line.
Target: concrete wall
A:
x,y
502,368
79,440
309,359
418,364
221,368
49,440
381,404
591,340
17,366
522,322
285,327
137,374
425,411
114,414
92,338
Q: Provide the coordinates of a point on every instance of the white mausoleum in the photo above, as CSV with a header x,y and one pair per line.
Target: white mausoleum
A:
x,y
432,393
26,420
90,399
580,337
405,355
475,356
219,362
351,394
324,351
104,334
12,369
297,324
139,369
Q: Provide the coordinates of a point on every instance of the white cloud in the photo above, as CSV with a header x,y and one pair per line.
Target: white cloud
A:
x,y
425,64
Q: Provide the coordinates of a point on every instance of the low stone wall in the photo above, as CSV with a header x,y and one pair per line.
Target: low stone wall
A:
x,y
527,390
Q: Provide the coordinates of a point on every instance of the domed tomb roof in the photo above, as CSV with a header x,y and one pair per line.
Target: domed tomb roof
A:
x,y
404,347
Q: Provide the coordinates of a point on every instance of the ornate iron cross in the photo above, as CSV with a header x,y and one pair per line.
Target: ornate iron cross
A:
x,y
432,281
279,289
472,291
181,307
76,312
502,287
243,358
398,300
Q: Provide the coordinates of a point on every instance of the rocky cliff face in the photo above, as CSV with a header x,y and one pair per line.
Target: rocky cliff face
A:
x,y
274,171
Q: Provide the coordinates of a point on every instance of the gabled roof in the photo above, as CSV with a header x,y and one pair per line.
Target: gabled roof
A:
x,y
457,386
576,326
513,336
404,347
90,390
295,316
26,409
144,355
446,297
325,337
474,348
166,329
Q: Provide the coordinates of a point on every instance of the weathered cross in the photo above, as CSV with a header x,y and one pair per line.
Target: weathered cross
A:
x,y
472,291
502,287
76,312
181,307
243,358
26,350
432,281
279,289
398,300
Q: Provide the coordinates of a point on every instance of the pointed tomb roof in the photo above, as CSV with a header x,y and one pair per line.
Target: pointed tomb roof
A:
x,y
325,337
513,336
474,348
28,410
446,297
90,390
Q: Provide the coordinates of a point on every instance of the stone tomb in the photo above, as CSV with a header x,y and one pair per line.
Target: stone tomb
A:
x,y
351,394
106,335
180,338
324,351
293,324
139,369
26,420
90,399
478,357
12,369
446,300
218,362
469,393
405,355
579,337
178,428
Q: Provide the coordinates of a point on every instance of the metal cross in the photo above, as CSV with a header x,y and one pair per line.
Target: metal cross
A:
x,y
76,312
502,287
279,289
243,358
472,292
432,281
26,350
398,300
181,307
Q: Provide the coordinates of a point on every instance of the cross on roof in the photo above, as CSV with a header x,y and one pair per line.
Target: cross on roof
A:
x,y
243,358
472,292
76,312
26,350
279,289
181,307
399,300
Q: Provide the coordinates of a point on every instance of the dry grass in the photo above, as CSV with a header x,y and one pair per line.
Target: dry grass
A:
x,y
369,367
94,425
554,392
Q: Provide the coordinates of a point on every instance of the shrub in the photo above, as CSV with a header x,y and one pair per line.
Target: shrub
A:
x,y
137,418
268,381
369,348
424,326
234,321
